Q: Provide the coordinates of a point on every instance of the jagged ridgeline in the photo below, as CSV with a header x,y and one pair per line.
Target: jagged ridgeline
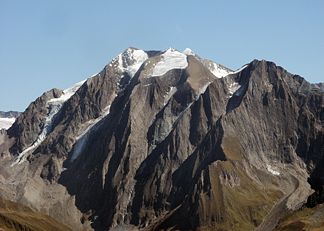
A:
x,y
167,140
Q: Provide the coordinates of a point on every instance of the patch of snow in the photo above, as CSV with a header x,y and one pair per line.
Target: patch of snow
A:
x,y
79,145
219,71
54,105
239,91
239,70
236,89
82,139
67,93
53,110
6,123
233,87
272,171
169,94
97,73
171,59
131,60
188,51
203,89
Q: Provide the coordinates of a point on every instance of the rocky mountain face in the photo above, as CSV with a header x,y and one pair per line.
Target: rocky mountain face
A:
x,y
169,141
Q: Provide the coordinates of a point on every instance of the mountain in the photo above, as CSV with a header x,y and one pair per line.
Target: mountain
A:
x,y
9,114
167,140
7,119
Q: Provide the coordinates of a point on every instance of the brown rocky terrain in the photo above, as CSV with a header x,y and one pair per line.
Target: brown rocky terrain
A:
x,y
170,141
311,219
15,217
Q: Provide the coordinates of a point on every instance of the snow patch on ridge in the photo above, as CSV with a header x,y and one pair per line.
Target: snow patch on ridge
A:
x,y
272,171
203,88
54,105
171,59
131,60
188,51
216,69
6,123
67,93
53,110
82,139
233,87
169,94
240,69
219,71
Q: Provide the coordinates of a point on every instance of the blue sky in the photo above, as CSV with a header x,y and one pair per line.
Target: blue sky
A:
x,y
47,44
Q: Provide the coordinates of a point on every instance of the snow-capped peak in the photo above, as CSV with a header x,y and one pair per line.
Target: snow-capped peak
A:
x,y
170,59
131,60
219,71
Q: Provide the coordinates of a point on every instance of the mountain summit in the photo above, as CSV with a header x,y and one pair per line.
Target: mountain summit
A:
x,y
167,140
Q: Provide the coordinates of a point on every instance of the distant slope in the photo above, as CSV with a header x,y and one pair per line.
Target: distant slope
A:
x,y
15,217
311,219
9,114
6,123
8,118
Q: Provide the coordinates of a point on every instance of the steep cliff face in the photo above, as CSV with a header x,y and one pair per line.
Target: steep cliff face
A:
x,y
168,140
30,123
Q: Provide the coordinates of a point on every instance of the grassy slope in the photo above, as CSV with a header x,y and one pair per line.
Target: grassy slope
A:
x,y
306,219
15,217
242,207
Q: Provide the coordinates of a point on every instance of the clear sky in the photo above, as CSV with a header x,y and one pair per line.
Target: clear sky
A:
x,y
47,44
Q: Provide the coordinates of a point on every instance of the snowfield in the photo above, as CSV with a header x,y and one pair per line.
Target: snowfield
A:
x,y
5,123
171,59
